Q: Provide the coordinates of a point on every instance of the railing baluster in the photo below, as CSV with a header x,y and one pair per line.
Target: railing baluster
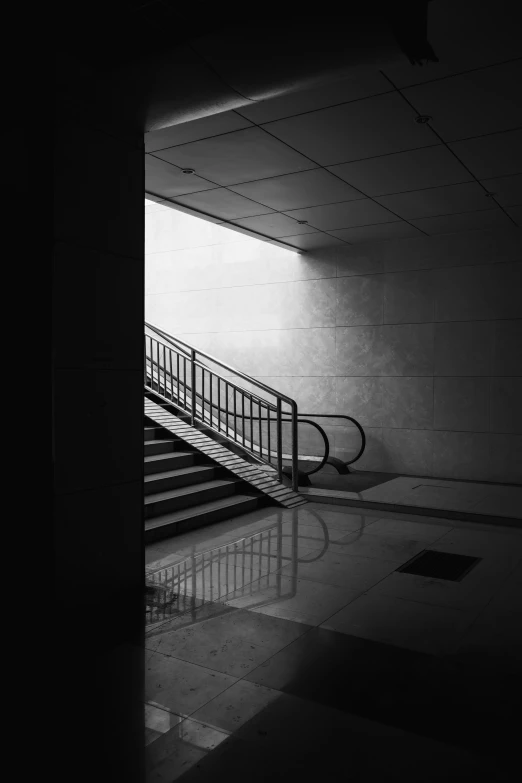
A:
x,y
268,433
185,382
243,567
279,441
259,410
177,372
210,394
219,402
193,384
295,479
235,414
164,370
251,424
243,416
226,567
203,393
226,408
158,365
251,563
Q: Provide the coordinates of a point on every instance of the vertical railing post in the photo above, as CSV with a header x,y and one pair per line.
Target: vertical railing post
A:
x,y
295,453
279,438
193,383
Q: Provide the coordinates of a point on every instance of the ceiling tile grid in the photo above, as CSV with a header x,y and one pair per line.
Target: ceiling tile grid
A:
x,y
222,203
446,200
204,128
351,160
237,157
472,104
361,129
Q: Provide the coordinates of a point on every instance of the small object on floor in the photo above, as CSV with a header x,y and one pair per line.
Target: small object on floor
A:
x,y
440,565
157,594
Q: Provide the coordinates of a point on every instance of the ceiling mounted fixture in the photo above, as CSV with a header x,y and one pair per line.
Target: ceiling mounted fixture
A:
x,y
302,221
490,195
188,171
422,118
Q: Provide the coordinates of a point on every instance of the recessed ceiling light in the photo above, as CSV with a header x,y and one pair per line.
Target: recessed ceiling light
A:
x,y
188,171
302,221
422,118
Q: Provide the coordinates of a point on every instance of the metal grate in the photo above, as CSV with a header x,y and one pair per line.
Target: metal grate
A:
x,y
440,565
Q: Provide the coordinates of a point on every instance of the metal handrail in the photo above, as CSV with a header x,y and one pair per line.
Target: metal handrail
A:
x,y
225,366
348,418
321,461
190,356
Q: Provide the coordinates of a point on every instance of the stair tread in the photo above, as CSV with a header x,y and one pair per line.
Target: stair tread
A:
x,y
195,511
192,488
168,455
160,440
179,472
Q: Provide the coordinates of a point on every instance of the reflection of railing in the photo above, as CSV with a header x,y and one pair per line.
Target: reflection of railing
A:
x,y
177,370
237,570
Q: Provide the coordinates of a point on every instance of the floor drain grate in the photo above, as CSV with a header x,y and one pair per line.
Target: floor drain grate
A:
x,y
440,565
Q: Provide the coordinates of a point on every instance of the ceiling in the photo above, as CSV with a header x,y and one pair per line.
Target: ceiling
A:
x,y
352,161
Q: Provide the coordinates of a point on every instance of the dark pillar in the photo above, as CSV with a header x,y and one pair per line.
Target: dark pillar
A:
x,y
97,377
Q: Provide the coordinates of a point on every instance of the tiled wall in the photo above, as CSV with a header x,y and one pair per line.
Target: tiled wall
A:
x,y
420,340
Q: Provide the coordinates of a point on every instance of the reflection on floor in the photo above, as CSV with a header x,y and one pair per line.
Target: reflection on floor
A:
x,y
464,497
286,643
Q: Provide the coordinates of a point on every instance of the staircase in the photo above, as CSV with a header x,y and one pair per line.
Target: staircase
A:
x,y
184,489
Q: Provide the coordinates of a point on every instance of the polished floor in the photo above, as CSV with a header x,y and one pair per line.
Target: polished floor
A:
x,y
285,644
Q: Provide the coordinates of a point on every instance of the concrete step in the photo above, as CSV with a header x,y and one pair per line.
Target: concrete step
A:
x,y
153,433
172,479
157,446
160,463
184,497
167,525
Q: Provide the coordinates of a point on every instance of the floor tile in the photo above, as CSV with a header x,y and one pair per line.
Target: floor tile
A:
x,y
415,626
351,572
180,686
314,536
482,544
151,735
342,517
381,547
419,693
300,600
414,531
160,720
174,744
237,705
152,555
181,759
474,591
233,644
496,633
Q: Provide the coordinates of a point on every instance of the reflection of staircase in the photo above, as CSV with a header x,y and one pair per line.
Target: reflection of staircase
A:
x,y
184,489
